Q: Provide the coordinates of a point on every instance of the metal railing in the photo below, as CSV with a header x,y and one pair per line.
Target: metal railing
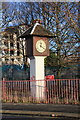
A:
x,y
61,91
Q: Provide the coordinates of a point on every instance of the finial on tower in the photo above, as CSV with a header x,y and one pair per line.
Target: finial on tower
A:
x,y
37,21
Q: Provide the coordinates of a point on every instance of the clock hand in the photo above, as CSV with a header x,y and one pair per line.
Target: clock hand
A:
x,y
42,46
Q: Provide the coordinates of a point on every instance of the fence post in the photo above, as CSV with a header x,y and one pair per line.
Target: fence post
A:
x,y
3,89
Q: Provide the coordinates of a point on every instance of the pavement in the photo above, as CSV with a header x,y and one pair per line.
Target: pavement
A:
x,y
52,110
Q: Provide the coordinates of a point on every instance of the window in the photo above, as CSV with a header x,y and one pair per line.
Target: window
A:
x,y
6,44
12,60
19,59
6,59
17,45
6,52
11,36
18,53
11,44
11,52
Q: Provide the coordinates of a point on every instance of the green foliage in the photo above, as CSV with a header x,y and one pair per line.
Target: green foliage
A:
x,y
51,60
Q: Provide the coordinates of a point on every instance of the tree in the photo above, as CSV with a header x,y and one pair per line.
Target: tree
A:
x,y
61,18
66,40
51,60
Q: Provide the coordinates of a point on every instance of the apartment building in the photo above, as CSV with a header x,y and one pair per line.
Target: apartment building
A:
x,y
12,50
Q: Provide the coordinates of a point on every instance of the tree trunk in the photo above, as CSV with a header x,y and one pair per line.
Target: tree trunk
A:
x,y
58,74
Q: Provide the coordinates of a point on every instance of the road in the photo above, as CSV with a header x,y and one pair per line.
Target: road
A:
x,y
17,117
20,111
42,107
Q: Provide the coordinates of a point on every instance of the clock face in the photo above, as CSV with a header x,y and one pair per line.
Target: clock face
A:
x,y
40,46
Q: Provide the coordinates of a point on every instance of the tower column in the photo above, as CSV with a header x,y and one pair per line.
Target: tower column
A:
x,y
37,77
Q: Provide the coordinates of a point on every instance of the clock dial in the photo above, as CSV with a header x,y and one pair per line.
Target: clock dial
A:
x,y
40,46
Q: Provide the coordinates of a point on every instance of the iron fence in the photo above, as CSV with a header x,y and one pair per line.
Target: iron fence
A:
x,y
61,91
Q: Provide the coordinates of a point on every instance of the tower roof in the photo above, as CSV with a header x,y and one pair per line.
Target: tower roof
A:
x,y
36,30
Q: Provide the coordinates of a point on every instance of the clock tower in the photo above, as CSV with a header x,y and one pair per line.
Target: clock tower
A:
x,y
37,48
